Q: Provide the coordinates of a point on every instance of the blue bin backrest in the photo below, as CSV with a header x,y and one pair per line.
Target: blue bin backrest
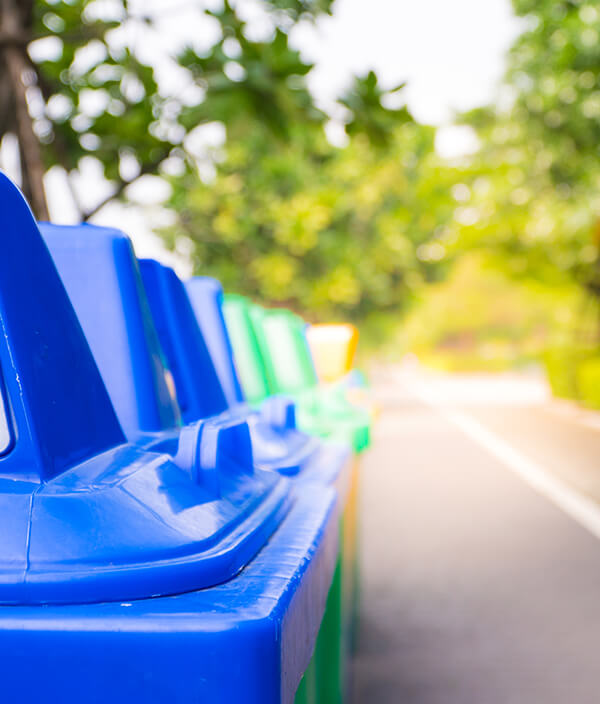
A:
x,y
101,275
55,409
198,387
206,297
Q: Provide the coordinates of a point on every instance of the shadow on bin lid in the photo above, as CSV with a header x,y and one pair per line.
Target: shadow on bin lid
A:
x,y
84,516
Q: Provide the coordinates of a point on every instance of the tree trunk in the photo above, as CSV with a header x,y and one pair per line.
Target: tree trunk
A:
x,y
32,164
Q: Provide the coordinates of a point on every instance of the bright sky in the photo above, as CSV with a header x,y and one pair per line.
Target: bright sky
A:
x,y
450,53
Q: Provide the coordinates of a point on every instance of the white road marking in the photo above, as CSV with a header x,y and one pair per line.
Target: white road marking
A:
x,y
581,509
571,412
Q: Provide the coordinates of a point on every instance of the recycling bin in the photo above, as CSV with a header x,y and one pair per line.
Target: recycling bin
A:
x,y
325,410
179,332
322,409
97,264
156,385
248,358
205,296
325,679
332,348
161,567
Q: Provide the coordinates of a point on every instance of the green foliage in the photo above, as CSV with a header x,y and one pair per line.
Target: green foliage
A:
x,y
301,9
289,219
285,217
257,82
588,381
509,207
535,183
528,202
106,105
96,97
481,318
562,364
361,231
573,372
555,66
369,116
358,231
560,373
325,231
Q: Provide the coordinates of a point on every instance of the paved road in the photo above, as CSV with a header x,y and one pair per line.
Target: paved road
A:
x,y
476,589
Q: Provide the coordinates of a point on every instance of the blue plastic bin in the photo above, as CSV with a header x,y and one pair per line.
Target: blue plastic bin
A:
x,y
327,681
167,569
206,298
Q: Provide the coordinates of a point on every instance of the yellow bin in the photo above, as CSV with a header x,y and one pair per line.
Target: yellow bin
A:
x,y
333,346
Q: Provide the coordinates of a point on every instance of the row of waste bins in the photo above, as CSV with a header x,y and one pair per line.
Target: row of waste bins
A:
x,y
178,485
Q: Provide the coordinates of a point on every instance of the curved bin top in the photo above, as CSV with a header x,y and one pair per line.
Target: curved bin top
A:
x,y
100,272
206,298
197,383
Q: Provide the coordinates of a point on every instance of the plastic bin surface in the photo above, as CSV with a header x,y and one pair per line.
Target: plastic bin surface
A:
x,y
247,640
197,383
288,351
119,566
332,347
324,682
206,298
248,357
100,272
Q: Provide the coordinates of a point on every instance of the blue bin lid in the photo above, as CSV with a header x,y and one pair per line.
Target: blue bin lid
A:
x,y
197,383
206,297
99,270
45,360
85,516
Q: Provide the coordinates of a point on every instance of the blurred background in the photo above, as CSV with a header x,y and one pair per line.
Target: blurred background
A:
x,y
426,170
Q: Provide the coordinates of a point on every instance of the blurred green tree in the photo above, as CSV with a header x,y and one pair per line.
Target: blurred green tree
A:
x,y
72,84
527,203
288,218
554,68
534,185
44,102
275,211
338,232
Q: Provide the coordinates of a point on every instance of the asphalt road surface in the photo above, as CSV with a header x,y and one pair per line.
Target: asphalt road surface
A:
x,y
481,584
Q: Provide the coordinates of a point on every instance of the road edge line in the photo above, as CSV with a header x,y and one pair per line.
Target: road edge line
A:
x,y
580,508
